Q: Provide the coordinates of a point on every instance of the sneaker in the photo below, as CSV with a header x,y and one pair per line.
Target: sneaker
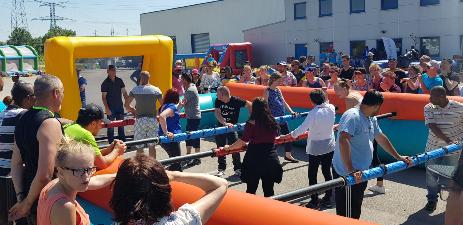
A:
x,y
220,173
313,204
377,189
238,172
326,202
430,206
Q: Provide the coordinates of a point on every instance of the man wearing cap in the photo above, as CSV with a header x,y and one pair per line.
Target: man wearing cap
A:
x,y
146,125
288,78
89,122
399,74
368,61
431,78
112,90
176,80
23,97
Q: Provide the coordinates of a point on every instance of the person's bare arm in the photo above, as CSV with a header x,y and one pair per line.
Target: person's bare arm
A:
x,y
384,142
215,189
17,171
105,103
124,93
344,147
49,136
163,121
286,104
238,144
63,212
249,107
265,96
322,83
101,181
128,102
438,132
220,119
423,86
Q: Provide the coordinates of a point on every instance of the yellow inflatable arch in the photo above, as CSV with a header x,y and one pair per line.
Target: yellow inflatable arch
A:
x,y
61,53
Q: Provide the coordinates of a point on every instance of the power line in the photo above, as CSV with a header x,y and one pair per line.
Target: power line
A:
x,y
18,15
52,17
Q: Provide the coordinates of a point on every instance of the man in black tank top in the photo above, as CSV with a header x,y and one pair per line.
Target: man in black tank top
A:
x,y
37,136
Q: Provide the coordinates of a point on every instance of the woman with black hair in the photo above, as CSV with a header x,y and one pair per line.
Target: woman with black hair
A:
x,y
142,194
261,160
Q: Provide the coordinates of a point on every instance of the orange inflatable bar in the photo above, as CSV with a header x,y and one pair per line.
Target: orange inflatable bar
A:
x,y
237,208
407,106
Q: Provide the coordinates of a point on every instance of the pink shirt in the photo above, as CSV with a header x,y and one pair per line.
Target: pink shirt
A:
x,y
177,84
46,203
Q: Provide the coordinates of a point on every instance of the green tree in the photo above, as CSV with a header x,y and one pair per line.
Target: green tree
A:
x,y
20,36
57,31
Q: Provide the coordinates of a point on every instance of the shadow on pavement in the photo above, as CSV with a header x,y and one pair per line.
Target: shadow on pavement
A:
x,y
422,217
415,177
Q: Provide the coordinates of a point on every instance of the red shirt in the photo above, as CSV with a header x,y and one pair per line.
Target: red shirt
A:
x,y
257,134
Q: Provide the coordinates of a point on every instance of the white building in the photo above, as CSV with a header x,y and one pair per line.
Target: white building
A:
x,y
312,26
195,27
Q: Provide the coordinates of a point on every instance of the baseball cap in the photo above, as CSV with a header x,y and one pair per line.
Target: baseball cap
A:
x,y
309,69
433,63
195,71
282,63
392,59
92,112
371,54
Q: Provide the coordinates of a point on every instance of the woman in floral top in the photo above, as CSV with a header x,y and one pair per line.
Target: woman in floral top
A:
x,y
209,80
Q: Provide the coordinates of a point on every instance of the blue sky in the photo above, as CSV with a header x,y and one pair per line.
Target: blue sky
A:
x,y
89,15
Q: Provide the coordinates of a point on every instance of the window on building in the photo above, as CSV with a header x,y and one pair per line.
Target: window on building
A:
x,y
299,11
389,4
200,43
325,8
241,57
326,48
357,6
430,46
357,49
429,2
174,39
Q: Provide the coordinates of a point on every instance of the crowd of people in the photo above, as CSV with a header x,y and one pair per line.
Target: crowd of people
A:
x,y
45,160
416,79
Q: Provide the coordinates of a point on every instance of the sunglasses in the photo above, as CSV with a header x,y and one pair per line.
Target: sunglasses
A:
x,y
81,171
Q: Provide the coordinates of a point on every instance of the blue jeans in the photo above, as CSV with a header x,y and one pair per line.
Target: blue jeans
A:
x,y
432,186
116,115
433,181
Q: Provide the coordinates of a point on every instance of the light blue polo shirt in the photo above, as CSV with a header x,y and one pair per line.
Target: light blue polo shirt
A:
x,y
431,82
363,131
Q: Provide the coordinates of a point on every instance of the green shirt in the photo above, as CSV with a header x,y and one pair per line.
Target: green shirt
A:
x,y
78,133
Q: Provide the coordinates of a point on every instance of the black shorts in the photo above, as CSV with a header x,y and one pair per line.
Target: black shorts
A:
x,y
193,125
8,198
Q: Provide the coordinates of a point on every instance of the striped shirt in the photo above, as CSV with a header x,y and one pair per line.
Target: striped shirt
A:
x,y
8,119
448,119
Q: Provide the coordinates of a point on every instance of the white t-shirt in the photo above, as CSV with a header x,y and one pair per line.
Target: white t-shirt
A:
x,y
185,215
